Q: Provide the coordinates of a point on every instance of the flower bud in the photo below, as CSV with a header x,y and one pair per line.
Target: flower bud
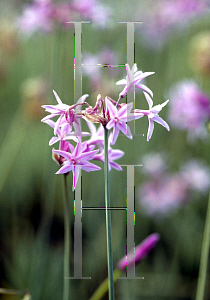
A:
x,y
141,251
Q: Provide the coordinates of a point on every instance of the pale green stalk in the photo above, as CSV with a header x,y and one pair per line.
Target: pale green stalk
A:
x,y
204,257
103,287
66,273
108,218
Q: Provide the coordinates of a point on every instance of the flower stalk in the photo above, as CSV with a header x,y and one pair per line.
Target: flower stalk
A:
x,y
108,218
204,257
66,263
103,288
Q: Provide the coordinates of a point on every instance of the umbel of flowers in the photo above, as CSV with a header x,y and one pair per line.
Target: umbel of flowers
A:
x,y
110,114
112,117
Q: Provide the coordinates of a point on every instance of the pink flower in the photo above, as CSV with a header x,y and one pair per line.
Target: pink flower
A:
x,y
133,78
189,109
196,175
154,164
141,251
152,115
37,16
163,194
118,119
113,154
66,113
76,160
93,10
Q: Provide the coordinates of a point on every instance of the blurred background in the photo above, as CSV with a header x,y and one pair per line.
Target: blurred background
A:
x,y
171,189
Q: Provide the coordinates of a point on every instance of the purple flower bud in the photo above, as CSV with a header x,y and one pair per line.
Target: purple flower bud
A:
x,y
141,251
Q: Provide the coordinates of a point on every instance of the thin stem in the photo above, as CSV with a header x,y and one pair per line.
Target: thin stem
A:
x,y
204,257
118,100
66,242
103,287
108,218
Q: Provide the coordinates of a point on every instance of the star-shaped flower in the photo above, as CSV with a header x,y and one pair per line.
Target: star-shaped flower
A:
x,y
113,154
65,112
133,78
76,160
152,115
118,119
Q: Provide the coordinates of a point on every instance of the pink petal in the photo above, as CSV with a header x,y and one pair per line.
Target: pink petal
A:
x,y
57,98
115,135
150,129
65,169
111,108
149,100
65,154
53,140
145,88
159,120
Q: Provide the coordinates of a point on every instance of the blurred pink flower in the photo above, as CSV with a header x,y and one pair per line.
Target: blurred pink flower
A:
x,y
189,108
93,10
163,17
37,16
160,196
154,164
197,175
44,14
141,251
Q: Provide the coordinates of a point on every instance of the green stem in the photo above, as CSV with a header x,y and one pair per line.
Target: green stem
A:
x,y
66,242
204,257
108,218
103,287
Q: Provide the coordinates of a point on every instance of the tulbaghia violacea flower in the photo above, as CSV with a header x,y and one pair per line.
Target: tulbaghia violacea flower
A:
x,y
133,78
154,164
118,119
189,109
141,251
97,136
93,10
196,174
76,160
65,112
152,115
159,196
43,10
113,154
63,133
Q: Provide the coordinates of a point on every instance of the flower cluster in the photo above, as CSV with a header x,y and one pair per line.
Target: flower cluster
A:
x,y
164,191
189,109
110,114
50,13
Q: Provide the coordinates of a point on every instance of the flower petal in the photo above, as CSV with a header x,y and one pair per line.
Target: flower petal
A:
x,y
57,98
149,100
145,88
159,120
150,129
